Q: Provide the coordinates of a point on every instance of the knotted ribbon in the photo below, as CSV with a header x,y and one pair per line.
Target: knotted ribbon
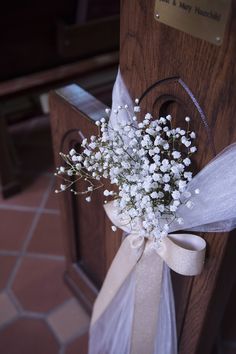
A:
x,y
134,312
183,253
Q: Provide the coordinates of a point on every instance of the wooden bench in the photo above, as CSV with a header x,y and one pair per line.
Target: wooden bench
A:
x,y
151,51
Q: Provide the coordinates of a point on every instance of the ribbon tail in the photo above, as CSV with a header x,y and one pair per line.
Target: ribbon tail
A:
x,y
127,318
112,332
166,337
113,310
148,273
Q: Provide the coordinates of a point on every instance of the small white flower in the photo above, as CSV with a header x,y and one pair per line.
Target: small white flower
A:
x,y
166,146
161,208
98,123
156,177
114,228
188,175
187,119
148,116
136,109
72,152
154,195
166,187
193,149
176,154
84,142
176,202
187,161
173,208
87,152
63,187
78,166
88,199
175,194
193,135
74,158
182,185
162,120
166,178
98,155
187,143
62,169
156,150
92,145
180,221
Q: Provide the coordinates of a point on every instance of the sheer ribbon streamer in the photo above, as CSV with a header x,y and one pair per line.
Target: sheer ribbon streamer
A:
x,y
134,312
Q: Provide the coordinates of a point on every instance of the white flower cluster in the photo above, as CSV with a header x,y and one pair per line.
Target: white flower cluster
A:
x,y
147,162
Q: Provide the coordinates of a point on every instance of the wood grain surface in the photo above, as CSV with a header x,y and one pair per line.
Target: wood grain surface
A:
x,y
151,51
89,242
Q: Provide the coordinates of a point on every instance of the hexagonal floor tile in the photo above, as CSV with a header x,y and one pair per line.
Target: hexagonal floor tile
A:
x,y
39,284
15,226
28,336
7,310
6,266
47,237
78,346
68,320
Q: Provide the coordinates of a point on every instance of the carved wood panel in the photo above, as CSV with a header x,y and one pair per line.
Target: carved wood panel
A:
x,y
89,242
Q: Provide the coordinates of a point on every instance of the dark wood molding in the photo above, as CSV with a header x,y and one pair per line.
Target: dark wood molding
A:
x,y
57,76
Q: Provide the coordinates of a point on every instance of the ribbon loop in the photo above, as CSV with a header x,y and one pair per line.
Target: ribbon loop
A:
x,y
183,253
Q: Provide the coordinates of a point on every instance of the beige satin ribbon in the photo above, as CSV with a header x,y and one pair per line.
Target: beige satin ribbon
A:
x,y
183,253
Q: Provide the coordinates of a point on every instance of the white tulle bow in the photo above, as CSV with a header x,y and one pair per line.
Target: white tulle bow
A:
x,y
134,312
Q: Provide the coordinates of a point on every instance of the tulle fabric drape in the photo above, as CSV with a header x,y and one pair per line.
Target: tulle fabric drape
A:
x,y
214,210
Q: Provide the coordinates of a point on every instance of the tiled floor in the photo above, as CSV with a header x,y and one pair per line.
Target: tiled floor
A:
x,y
38,313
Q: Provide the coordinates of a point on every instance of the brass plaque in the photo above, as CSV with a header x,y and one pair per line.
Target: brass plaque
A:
x,y
205,19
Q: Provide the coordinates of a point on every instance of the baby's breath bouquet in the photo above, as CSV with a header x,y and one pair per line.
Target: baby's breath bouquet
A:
x,y
148,164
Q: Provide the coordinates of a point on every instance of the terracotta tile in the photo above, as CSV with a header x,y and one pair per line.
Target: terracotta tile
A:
x,y
47,237
7,309
78,346
14,228
69,320
6,265
31,194
28,336
39,284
